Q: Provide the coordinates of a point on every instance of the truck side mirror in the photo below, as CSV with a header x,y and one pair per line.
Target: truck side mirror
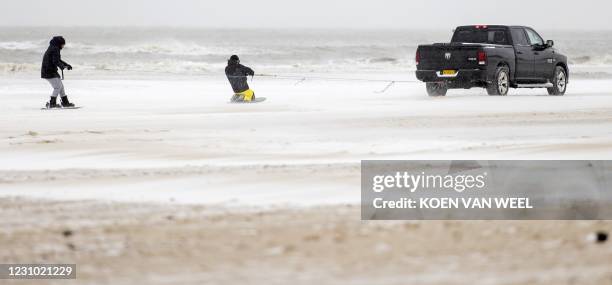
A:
x,y
550,43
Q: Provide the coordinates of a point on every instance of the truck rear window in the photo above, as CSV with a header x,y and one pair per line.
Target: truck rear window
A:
x,y
481,36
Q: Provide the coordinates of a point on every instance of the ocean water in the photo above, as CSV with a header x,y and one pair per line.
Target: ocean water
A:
x,y
181,51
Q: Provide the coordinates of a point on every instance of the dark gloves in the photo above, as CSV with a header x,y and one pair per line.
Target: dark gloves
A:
x,y
68,66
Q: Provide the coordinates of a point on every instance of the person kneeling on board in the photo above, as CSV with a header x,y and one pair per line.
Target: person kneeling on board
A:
x,y
237,75
52,60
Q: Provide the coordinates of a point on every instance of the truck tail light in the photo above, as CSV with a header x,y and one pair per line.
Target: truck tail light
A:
x,y
481,26
482,57
417,57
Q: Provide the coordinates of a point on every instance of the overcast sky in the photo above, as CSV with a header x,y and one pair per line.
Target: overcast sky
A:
x,y
406,14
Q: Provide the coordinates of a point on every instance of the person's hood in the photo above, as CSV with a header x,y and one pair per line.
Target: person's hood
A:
x,y
57,41
234,59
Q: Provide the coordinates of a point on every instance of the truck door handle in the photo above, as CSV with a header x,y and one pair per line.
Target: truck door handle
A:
x,y
519,52
536,53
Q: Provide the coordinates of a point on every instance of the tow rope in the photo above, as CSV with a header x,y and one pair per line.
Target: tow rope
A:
x,y
299,79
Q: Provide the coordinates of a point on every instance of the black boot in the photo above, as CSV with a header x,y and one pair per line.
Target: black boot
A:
x,y
52,103
65,102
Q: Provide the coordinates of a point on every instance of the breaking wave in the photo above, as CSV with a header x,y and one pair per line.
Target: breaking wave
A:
x,y
602,59
24,45
18,67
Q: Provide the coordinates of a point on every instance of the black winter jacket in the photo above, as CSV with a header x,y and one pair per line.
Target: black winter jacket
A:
x,y
237,75
53,59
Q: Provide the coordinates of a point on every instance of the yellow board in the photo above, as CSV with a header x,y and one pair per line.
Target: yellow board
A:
x,y
248,95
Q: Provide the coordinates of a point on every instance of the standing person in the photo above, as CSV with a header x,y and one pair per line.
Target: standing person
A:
x,y
51,62
237,75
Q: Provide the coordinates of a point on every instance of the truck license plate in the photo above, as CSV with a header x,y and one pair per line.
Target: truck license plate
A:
x,y
449,72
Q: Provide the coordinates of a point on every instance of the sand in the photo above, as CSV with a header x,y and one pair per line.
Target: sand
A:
x,y
116,243
161,180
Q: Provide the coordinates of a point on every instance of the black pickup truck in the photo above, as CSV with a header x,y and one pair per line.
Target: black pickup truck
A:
x,y
492,57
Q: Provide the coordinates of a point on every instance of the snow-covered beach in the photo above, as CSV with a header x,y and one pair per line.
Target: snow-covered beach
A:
x,y
274,187
285,150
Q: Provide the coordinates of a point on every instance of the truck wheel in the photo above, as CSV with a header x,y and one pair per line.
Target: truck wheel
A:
x,y
436,89
501,83
559,82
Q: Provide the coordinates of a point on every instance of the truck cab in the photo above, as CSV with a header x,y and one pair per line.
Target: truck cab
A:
x,y
493,57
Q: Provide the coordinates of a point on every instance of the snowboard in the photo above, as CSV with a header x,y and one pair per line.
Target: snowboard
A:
x,y
256,100
62,108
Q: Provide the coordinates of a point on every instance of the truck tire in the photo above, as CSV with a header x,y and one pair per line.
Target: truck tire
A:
x,y
559,82
501,82
436,89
